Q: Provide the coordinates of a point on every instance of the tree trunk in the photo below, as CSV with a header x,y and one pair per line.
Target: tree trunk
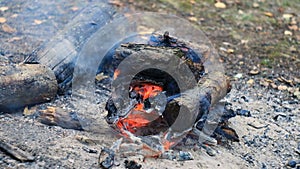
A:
x,y
25,84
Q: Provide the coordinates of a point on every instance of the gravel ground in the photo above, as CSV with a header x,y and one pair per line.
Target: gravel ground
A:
x,y
257,41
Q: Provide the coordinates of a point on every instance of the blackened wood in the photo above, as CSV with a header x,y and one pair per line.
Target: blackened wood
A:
x,y
60,53
25,84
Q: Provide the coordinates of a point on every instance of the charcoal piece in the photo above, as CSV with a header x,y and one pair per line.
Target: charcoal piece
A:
x,y
132,165
106,158
226,132
243,112
184,156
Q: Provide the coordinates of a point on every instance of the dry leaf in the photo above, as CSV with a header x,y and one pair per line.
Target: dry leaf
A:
x,y
116,3
293,27
288,33
269,14
287,16
192,1
37,22
74,8
3,8
193,19
220,5
14,15
255,5
14,39
2,20
6,28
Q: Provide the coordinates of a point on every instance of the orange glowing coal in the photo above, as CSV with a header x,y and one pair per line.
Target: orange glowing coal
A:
x,y
138,117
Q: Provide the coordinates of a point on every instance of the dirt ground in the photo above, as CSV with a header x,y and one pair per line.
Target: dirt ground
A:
x,y
258,41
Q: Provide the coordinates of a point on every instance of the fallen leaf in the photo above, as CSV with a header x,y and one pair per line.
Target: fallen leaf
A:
x,y
288,33
28,112
293,27
220,5
2,20
14,39
6,28
287,16
255,5
37,22
192,18
3,8
269,14
192,1
116,3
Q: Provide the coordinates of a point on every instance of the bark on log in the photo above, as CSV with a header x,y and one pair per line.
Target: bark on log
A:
x,y
60,53
25,84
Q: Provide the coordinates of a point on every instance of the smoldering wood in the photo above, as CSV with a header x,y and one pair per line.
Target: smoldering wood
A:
x,y
60,53
25,84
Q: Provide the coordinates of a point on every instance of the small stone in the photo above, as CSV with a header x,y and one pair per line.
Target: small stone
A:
x,y
38,22
273,85
230,51
238,76
220,5
282,87
287,16
250,81
254,72
3,8
184,156
292,163
288,33
293,49
297,94
2,20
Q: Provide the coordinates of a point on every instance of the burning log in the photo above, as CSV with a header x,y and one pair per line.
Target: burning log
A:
x,y
145,115
25,84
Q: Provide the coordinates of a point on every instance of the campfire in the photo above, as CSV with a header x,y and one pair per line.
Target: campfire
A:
x,y
155,97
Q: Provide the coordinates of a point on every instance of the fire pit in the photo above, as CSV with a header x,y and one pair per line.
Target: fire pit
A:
x,y
155,98
164,85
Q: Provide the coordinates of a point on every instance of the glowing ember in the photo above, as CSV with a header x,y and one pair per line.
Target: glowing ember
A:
x,y
116,73
138,117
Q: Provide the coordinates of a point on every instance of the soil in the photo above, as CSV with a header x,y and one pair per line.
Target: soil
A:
x,y
258,41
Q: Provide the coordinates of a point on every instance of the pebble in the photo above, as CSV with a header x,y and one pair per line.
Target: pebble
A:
x,y
254,72
292,163
243,112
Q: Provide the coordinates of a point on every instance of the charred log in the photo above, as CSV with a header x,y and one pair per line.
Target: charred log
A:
x,y
25,84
